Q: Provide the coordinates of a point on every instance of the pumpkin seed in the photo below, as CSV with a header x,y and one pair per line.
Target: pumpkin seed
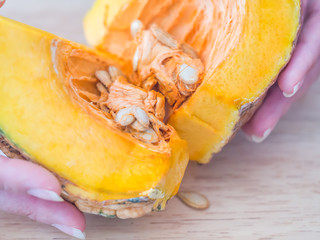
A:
x,y
115,73
135,60
102,88
136,26
188,75
141,116
138,126
149,136
187,49
104,77
125,116
164,37
194,199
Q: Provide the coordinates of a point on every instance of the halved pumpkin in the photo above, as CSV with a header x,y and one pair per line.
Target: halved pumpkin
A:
x,y
97,119
243,45
47,116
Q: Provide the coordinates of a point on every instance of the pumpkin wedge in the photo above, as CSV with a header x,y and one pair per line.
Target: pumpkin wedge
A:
x,y
242,44
53,112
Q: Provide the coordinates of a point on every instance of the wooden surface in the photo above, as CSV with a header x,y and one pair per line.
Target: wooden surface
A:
x,y
257,191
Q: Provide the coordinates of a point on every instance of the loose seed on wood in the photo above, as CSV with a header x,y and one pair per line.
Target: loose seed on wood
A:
x,y
188,75
194,199
141,116
104,77
136,27
125,116
164,37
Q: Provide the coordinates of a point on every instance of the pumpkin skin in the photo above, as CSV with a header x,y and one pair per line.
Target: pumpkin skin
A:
x,y
101,169
242,56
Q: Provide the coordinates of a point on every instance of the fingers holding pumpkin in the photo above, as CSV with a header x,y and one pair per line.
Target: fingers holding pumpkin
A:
x,y
274,107
20,176
30,190
61,215
306,54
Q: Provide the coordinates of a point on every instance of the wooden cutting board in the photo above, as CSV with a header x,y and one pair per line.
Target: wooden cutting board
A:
x,y
257,191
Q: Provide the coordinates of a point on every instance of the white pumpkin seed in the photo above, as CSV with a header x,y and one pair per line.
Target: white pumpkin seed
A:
x,y
104,77
188,75
141,116
164,37
101,87
135,60
125,116
194,199
135,27
148,136
115,73
138,126
146,50
187,49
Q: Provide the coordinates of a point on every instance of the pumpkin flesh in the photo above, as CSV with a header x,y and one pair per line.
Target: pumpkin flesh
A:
x,y
242,44
97,161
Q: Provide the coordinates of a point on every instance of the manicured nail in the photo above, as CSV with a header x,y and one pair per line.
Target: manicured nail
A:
x,y
258,139
295,90
1,153
70,231
45,194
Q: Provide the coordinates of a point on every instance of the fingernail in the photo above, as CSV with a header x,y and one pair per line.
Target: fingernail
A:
x,y
70,231
1,153
45,194
258,139
295,90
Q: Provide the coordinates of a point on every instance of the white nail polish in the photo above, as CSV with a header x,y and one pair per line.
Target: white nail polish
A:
x,y
70,231
45,194
295,90
257,139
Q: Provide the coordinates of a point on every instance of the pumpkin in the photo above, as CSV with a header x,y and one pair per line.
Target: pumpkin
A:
x,y
118,124
243,46
46,117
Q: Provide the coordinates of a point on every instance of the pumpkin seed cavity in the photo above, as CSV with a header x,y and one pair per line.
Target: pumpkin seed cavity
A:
x,y
164,70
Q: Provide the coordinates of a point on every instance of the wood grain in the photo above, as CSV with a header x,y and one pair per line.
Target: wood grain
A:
x,y
257,191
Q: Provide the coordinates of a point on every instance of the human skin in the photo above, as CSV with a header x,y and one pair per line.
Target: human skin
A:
x,y
302,70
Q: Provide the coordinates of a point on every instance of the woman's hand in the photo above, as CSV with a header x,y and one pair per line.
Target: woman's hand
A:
x,y
30,190
302,70
2,2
